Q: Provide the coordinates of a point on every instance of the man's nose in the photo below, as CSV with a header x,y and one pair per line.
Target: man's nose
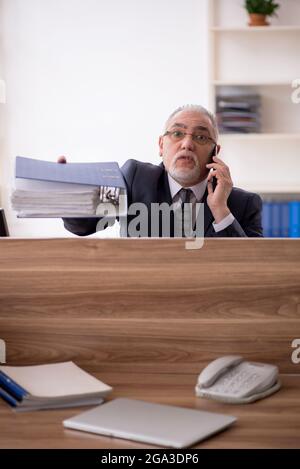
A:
x,y
187,143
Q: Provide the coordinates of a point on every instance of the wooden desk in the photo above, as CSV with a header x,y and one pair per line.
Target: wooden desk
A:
x,y
270,423
147,316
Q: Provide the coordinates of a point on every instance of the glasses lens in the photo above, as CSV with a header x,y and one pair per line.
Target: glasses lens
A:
x,y
177,135
201,139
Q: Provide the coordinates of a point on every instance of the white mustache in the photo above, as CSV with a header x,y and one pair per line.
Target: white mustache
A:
x,y
186,154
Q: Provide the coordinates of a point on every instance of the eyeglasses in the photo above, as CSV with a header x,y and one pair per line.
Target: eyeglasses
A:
x,y
177,135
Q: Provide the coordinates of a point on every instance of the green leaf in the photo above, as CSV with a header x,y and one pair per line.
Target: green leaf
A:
x,y
262,7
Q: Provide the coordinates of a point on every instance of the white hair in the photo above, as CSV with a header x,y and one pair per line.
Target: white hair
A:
x,y
201,110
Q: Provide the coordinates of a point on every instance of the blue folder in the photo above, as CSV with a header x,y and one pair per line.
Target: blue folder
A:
x,y
294,219
275,217
267,219
94,174
285,219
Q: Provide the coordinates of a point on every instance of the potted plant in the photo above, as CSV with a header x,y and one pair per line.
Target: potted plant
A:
x,y
259,9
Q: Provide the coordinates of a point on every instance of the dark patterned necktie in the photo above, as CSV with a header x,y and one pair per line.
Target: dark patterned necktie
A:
x,y
185,195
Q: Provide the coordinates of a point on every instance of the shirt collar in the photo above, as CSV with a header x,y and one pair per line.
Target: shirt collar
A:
x,y
198,190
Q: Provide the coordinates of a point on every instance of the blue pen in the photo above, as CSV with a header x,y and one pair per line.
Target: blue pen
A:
x,y
8,398
11,387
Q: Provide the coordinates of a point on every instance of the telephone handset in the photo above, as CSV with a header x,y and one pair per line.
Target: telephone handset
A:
x,y
231,379
214,152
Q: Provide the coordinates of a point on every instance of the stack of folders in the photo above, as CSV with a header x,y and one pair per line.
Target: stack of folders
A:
x,y
239,113
48,189
51,386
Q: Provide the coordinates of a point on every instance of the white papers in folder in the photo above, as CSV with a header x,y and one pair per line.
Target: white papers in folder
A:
x,y
47,189
43,198
50,386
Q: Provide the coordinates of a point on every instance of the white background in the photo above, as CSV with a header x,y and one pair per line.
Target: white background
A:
x,y
94,80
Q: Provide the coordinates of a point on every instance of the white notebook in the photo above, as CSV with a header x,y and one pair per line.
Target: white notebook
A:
x,y
50,386
157,424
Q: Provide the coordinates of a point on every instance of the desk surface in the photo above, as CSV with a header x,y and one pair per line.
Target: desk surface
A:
x,y
271,423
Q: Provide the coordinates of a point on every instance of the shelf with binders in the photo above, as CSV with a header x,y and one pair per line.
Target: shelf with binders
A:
x,y
243,60
278,112
281,216
264,59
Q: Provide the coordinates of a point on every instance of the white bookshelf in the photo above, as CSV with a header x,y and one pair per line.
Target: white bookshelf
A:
x,y
275,190
256,29
259,137
263,60
2,92
250,83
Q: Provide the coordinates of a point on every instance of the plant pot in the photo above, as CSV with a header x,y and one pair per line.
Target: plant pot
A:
x,y
257,20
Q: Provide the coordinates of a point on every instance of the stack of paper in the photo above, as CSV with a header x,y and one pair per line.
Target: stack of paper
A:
x,y
50,386
41,203
239,113
48,189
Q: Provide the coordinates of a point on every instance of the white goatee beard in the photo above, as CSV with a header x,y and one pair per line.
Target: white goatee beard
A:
x,y
185,176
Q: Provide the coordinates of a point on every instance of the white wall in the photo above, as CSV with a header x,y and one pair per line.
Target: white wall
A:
x,y
95,80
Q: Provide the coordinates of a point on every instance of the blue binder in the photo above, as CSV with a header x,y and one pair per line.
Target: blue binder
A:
x,y
284,219
294,231
275,226
267,219
94,174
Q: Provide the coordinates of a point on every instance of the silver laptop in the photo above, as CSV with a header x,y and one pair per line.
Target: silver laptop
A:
x,y
157,424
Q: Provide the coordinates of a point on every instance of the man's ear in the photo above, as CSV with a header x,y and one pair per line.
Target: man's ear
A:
x,y
160,144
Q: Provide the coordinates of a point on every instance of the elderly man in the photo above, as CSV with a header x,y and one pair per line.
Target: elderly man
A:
x,y
191,172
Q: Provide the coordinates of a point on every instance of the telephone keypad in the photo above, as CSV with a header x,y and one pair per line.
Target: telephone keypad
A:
x,y
238,381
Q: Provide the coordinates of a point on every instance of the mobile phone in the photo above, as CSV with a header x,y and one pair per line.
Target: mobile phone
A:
x,y
214,152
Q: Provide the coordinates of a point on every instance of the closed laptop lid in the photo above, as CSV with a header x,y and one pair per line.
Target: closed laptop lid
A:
x,y
146,422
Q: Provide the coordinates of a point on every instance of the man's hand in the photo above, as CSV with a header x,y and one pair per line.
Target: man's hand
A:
x,y
217,199
62,160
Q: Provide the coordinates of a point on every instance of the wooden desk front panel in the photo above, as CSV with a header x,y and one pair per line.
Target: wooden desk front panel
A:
x,y
149,305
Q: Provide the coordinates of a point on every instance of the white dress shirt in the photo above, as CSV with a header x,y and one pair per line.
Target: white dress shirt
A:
x,y
198,192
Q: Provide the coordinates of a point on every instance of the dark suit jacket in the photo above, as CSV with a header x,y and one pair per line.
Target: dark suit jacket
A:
x,y
148,183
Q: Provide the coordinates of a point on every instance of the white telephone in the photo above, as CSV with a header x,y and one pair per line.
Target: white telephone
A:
x,y
231,379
